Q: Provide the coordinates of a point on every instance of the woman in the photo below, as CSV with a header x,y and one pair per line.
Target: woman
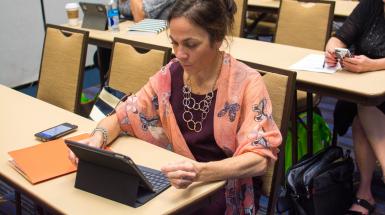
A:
x,y
365,29
204,105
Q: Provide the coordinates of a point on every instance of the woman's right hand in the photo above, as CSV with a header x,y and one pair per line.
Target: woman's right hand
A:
x,y
330,55
95,140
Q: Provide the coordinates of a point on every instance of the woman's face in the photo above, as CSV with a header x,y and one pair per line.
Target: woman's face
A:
x,y
192,46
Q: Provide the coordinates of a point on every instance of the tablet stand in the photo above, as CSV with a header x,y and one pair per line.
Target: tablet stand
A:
x,y
106,182
94,16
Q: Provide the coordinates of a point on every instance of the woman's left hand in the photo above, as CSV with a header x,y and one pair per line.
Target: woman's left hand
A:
x,y
181,174
358,64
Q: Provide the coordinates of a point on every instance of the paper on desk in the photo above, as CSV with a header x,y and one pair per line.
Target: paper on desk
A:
x,y
314,63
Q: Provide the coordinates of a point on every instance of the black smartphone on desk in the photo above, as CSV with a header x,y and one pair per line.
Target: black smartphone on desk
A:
x,y
56,131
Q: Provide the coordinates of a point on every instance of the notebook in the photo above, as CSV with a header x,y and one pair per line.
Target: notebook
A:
x,y
314,63
44,161
148,26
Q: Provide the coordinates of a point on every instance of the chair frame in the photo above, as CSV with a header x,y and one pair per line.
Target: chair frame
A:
x,y
139,45
278,173
241,32
68,31
330,21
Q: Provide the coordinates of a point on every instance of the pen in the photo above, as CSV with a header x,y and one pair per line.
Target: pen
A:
x,y
323,65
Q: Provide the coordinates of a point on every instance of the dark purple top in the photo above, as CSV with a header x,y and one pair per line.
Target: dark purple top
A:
x,y
202,145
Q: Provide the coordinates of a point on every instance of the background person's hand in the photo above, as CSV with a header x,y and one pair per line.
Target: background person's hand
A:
x,y
181,174
95,141
330,55
330,59
358,64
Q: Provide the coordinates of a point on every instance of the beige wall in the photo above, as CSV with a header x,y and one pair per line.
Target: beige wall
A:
x,y
21,39
22,36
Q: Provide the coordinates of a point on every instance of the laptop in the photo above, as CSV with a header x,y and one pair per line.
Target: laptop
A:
x,y
95,16
151,182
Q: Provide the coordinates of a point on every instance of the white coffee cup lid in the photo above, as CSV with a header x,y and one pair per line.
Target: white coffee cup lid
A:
x,y
72,5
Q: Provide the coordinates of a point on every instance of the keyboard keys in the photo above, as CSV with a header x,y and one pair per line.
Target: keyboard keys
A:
x,y
158,180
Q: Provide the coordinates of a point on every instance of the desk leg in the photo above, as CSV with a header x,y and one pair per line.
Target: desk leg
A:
x,y
309,122
294,135
18,202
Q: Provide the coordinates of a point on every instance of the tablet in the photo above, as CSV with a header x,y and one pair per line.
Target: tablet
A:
x,y
151,181
95,16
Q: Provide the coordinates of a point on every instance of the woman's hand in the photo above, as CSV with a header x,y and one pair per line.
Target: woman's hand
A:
x,y
330,55
358,64
330,58
182,174
95,140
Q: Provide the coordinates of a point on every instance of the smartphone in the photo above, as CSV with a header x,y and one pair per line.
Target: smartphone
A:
x,y
56,132
342,52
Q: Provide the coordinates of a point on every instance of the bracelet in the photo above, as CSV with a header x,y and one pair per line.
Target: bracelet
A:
x,y
105,135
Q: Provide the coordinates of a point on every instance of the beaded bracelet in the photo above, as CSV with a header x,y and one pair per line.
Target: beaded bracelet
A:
x,y
105,135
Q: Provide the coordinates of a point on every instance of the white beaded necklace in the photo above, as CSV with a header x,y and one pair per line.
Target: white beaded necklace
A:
x,y
203,106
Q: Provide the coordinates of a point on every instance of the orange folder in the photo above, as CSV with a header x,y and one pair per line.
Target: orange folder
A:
x,y
45,160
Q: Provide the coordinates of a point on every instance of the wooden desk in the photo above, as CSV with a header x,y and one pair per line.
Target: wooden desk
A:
x,y
366,88
105,38
342,8
22,116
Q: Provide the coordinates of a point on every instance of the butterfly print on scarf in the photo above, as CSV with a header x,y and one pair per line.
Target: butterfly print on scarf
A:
x,y
260,141
231,199
125,121
260,110
231,109
245,189
148,122
163,70
155,102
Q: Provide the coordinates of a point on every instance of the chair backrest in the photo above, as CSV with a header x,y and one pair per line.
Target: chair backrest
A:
x,y
304,24
239,18
62,67
133,63
280,85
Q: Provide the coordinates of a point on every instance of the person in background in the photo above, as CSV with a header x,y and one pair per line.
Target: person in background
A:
x,y
365,30
140,9
206,106
136,10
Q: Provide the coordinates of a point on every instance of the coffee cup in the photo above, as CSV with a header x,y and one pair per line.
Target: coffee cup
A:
x,y
72,10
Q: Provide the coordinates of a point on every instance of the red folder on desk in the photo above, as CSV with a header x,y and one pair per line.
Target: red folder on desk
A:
x,y
45,160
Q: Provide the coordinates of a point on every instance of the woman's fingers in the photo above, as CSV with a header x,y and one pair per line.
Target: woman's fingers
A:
x,y
180,174
72,157
183,165
180,183
330,59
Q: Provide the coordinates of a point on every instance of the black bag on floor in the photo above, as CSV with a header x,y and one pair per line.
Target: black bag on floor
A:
x,y
321,184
